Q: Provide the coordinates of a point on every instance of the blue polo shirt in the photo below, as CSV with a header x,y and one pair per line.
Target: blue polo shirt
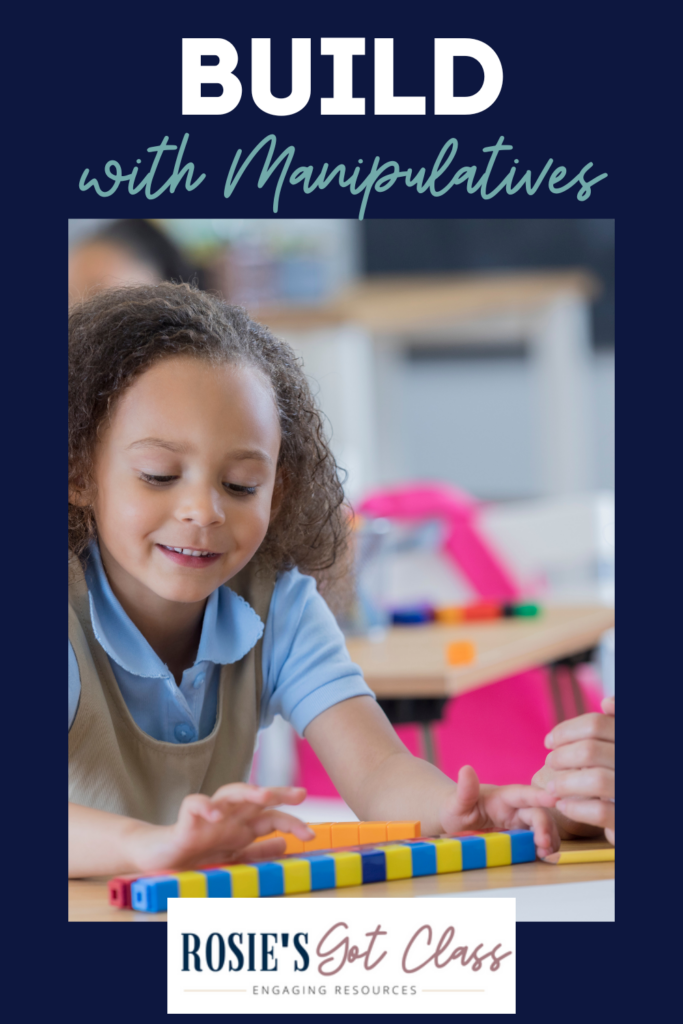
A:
x,y
306,666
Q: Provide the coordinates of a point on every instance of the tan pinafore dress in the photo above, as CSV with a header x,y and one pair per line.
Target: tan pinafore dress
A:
x,y
115,766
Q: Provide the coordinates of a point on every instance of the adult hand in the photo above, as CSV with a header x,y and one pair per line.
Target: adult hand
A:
x,y
579,771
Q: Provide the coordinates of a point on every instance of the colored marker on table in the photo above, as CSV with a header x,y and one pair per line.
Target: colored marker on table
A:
x,y
452,615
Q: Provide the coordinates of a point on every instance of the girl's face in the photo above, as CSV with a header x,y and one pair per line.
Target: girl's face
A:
x,y
184,476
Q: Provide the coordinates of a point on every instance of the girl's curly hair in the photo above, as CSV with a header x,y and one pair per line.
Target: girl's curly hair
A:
x,y
120,333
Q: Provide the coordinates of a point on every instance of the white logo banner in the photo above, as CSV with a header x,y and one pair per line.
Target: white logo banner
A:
x,y
341,956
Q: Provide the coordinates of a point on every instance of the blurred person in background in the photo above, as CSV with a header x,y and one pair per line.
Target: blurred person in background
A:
x,y
126,252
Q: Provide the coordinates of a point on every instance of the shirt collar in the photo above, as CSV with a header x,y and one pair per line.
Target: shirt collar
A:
x,y
230,627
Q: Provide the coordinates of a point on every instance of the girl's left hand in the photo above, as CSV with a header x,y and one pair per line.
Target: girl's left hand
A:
x,y
473,807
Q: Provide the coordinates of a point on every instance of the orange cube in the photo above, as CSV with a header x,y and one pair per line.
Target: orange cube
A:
x,y
344,833
372,832
461,652
271,835
403,830
323,837
292,844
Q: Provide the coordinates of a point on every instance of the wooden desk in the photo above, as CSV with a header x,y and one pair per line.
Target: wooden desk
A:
x,y
411,660
88,899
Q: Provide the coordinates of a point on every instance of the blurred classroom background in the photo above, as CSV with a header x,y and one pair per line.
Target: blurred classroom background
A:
x,y
472,354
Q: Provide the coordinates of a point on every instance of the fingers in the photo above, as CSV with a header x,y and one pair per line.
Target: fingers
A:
x,y
591,812
527,796
587,753
199,806
238,792
541,777
546,836
587,782
262,851
607,705
279,821
591,726
462,809
226,812
207,832
243,802
468,790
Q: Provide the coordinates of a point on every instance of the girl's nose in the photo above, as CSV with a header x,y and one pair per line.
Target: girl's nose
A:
x,y
201,506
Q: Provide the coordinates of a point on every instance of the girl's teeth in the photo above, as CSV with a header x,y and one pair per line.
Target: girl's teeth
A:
x,y
192,552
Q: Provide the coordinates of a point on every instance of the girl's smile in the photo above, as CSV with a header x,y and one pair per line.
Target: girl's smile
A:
x,y
189,557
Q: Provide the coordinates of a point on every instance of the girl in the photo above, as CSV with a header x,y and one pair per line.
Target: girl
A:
x,y
204,505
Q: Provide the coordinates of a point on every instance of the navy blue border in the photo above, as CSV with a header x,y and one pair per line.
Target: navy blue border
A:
x,y
581,83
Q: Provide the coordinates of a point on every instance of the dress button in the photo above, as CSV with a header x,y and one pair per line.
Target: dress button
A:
x,y
184,733
199,679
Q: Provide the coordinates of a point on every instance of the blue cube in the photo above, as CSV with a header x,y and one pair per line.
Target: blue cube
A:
x,y
523,846
218,883
322,871
271,879
424,858
152,894
473,852
374,865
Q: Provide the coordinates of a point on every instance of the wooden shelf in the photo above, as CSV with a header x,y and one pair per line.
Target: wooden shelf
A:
x,y
403,303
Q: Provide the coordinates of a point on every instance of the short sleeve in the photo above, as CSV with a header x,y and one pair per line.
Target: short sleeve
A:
x,y
74,685
306,665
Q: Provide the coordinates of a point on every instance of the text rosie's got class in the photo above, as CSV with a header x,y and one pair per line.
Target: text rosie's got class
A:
x,y
266,951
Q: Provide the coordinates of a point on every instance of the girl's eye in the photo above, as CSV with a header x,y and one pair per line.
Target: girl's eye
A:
x,y
157,480
238,488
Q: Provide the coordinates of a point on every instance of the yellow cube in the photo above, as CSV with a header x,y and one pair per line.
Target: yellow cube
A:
x,y
244,880
296,875
399,861
348,869
498,849
448,856
191,883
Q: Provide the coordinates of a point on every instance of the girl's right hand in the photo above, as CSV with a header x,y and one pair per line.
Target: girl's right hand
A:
x,y
219,829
